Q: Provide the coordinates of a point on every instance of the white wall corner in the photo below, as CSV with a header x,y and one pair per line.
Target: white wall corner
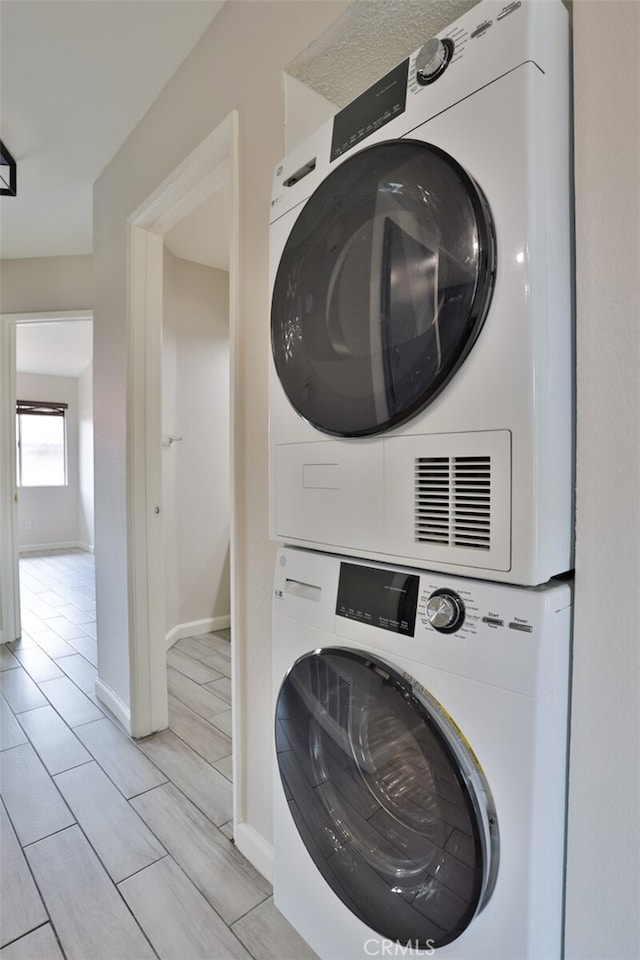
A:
x,y
304,111
196,627
114,704
255,848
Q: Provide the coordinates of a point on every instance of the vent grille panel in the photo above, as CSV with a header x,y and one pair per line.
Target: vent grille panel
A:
x,y
453,501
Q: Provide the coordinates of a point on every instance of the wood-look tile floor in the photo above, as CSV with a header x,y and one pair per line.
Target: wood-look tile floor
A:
x,y
114,849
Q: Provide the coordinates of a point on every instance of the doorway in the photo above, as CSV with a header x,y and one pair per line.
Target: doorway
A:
x,y
47,475
195,420
195,479
54,477
210,169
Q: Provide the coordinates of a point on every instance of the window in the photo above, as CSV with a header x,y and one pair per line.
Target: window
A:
x,y
41,444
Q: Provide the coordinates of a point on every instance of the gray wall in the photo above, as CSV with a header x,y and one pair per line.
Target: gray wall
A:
x,y
195,407
46,284
85,458
603,880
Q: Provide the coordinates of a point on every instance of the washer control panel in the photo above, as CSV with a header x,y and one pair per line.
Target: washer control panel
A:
x,y
406,602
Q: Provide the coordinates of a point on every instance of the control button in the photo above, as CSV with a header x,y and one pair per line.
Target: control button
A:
x,y
525,627
481,28
445,611
510,8
493,621
433,59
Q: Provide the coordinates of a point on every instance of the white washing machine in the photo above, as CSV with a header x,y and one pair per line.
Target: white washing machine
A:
x,y
421,368
420,766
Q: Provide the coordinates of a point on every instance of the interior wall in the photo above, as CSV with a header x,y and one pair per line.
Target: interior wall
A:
x,y
85,458
214,80
169,458
46,284
603,870
48,516
196,468
305,111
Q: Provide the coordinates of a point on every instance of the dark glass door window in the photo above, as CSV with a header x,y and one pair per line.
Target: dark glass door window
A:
x,y
382,288
391,805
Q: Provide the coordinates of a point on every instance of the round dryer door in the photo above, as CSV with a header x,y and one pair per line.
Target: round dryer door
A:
x,y
382,288
387,797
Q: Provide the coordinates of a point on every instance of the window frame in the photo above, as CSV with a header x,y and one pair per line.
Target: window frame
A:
x,y
41,409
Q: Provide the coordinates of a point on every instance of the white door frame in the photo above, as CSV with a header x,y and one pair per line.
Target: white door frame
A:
x,y
9,584
211,166
10,627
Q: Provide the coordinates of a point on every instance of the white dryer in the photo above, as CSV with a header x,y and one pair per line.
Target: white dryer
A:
x,y
420,769
421,324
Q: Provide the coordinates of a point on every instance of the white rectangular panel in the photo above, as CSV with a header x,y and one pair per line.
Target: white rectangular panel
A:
x,y
329,493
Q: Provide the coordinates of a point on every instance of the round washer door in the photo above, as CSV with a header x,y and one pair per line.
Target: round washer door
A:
x,y
388,799
382,288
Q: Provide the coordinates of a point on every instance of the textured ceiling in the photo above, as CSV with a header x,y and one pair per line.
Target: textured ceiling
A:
x,y
370,38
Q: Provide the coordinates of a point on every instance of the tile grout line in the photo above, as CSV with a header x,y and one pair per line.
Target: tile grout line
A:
x,y
187,744
104,868
34,747
37,887
50,587
39,926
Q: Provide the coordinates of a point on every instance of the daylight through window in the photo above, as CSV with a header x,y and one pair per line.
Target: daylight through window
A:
x,y
41,444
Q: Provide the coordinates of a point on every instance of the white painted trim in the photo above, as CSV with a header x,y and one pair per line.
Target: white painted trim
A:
x,y
196,627
239,658
255,848
201,174
54,316
205,170
59,545
9,578
148,681
114,704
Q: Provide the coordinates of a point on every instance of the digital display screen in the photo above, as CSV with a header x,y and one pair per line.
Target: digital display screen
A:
x,y
382,598
381,103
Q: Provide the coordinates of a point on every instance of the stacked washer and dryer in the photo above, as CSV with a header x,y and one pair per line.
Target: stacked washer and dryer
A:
x,y
421,458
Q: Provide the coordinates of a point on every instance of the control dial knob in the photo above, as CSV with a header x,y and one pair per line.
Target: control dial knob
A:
x,y
433,59
445,611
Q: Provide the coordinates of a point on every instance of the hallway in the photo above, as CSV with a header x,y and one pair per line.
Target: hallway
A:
x,y
114,849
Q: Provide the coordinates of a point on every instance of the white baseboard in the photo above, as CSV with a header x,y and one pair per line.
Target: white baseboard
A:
x,y
61,545
114,704
255,848
195,627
